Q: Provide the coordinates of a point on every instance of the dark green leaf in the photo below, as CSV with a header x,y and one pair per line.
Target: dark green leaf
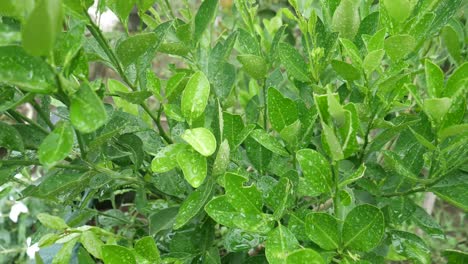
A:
x,y
10,138
316,170
282,111
204,17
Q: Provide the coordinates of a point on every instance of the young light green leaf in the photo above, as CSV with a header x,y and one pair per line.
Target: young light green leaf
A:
x,y
57,145
87,112
434,79
64,255
323,230
42,27
398,46
372,61
316,170
291,134
331,143
114,254
269,142
346,70
437,108
363,228
346,19
133,47
305,256
201,139
92,243
195,96
193,204
282,111
280,243
166,158
293,62
146,247
456,83
17,68
254,65
10,138
53,222
203,18
398,10
222,159
193,166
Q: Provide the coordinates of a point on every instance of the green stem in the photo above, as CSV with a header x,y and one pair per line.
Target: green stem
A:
x,y
42,114
336,197
157,120
37,163
17,116
81,144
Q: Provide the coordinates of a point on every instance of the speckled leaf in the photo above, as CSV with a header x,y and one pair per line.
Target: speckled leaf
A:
x,y
269,142
304,256
166,158
244,199
323,230
434,79
10,138
222,159
114,254
437,108
293,62
204,16
193,166
193,204
87,111
411,246
356,175
346,19
17,68
456,83
363,228
372,61
280,197
316,170
195,96
258,155
92,243
280,243
146,247
130,49
331,144
398,46
57,145
201,139
282,111
253,65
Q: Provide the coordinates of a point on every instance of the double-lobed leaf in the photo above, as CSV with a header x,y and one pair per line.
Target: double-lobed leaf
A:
x,y
193,165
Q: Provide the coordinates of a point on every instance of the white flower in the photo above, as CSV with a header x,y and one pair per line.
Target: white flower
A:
x,y
16,210
32,249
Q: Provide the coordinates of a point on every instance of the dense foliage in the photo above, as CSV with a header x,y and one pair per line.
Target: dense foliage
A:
x,y
233,132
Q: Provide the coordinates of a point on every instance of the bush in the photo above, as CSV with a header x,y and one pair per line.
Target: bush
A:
x,y
246,132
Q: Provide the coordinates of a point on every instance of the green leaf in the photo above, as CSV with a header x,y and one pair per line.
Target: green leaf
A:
x,y
64,255
455,256
204,17
221,162
92,243
316,170
193,166
372,61
10,138
398,46
258,155
195,96
434,79
53,222
398,10
331,143
42,27
346,70
244,199
437,108
201,139
376,42
356,175
29,73
146,247
280,243
280,197
166,158
323,230
427,223
57,145
114,254
253,65
193,204
133,47
411,246
233,127
456,83
363,228
121,8
291,134
293,62
452,189
269,142
223,79
282,111
304,256
87,112
162,220
346,19
452,42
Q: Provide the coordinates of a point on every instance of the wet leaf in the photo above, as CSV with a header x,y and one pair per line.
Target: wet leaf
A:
x,y
114,254
254,65
87,112
323,230
195,96
201,139
146,247
280,244
133,47
57,145
305,256
269,142
398,46
193,166
193,204
293,62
